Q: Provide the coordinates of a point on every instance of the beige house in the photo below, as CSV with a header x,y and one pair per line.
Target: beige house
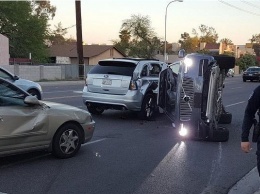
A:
x,y
4,50
67,54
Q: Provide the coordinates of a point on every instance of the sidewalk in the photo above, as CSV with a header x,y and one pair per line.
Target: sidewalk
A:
x,y
249,184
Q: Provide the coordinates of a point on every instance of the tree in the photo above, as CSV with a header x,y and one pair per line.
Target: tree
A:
x,y
137,38
207,34
246,61
26,30
192,44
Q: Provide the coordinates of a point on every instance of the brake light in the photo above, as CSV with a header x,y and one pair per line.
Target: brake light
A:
x,y
133,85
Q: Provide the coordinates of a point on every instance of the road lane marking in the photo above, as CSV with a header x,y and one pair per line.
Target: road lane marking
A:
x,y
235,103
96,141
62,97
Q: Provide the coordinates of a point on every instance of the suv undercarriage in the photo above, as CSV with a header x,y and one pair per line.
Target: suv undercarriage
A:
x,y
192,97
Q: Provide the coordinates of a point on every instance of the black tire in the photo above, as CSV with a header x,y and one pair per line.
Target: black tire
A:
x,y
35,92
221,134
67,141
149,108
225,118
244,80
95,110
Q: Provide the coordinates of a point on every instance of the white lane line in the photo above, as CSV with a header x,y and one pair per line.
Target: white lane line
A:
x,y
62,97
65,91
235,104
235,88
96,141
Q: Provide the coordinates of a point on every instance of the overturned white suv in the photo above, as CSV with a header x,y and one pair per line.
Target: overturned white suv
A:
x,y
123,84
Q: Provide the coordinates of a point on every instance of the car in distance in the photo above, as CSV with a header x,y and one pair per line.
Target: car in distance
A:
x,y
251,73
28,124
31,87
123,84
230,73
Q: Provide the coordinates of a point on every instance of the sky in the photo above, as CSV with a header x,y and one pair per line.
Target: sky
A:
x,y
236,20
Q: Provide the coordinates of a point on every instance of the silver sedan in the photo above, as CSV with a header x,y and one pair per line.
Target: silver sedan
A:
x,y
27,124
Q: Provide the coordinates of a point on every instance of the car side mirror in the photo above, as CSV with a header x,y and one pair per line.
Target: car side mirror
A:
x,y
31,100
181,53
16,77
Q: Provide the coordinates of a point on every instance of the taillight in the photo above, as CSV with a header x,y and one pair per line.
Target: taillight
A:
x,y
133,85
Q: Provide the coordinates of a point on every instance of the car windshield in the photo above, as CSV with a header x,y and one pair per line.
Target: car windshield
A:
x,y
113,67
255,69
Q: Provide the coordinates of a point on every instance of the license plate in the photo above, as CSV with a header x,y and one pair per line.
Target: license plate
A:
x,y
250,74
106,81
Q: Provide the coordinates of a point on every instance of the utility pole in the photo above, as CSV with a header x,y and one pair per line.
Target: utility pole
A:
x,y
79,39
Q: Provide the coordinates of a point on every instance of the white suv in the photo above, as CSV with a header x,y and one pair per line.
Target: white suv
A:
x,y
123,84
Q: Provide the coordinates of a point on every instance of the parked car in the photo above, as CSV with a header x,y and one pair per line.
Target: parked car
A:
x,y
230,73
123,84
190,94
251,73
27,124
31,87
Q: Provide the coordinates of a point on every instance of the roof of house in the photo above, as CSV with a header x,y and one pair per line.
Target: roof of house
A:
x,y
70,50
212,46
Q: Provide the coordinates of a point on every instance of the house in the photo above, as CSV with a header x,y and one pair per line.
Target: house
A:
x,y
67,53
4,50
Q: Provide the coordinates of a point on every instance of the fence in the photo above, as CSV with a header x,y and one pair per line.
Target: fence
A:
x,y
47,71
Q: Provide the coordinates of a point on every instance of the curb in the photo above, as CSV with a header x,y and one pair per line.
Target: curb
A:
x,y
249,184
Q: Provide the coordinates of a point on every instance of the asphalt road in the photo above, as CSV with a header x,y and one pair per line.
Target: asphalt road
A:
x,y
128,155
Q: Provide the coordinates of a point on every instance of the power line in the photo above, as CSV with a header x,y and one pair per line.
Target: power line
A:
x,y
238,8
250,4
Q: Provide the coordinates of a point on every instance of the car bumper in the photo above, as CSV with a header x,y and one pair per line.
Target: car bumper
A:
x,y
88,131
253,77
132,100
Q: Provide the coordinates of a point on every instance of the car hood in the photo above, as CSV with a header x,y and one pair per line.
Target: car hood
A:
x,y
66,112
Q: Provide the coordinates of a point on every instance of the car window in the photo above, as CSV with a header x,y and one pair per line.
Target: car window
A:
x,y
144,71
4,75
175,67
156,69
113,67
10,95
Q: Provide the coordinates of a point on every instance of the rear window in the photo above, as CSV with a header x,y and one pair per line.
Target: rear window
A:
x,y
113,67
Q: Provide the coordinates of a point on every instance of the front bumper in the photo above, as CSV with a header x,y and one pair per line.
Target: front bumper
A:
x,y
88,131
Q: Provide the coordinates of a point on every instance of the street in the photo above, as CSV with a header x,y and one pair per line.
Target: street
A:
x,y
128,155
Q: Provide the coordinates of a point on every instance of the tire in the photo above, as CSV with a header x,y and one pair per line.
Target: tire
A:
x,y
35,92
67,141
221,134
148,108
225,118
244,80
95,110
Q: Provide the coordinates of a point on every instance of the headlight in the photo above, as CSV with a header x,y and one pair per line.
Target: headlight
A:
x,y
183,131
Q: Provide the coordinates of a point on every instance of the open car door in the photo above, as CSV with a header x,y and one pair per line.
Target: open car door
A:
x,y
167,94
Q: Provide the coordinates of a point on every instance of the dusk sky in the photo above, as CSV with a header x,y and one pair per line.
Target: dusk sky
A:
x,y
236,20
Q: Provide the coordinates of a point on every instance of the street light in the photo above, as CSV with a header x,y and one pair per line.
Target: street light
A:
x,y
165,57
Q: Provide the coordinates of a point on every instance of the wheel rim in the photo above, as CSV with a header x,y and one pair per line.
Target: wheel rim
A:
x,y
69,141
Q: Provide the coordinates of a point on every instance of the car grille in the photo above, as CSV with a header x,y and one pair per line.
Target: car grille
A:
x,y
186,107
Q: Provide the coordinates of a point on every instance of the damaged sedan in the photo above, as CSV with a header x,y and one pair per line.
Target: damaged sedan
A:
x,y
27,124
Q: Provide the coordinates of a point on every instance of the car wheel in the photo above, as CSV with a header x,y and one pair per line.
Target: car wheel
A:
x,y
95,110
244,80
149,108
34,92
225,118
67,141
